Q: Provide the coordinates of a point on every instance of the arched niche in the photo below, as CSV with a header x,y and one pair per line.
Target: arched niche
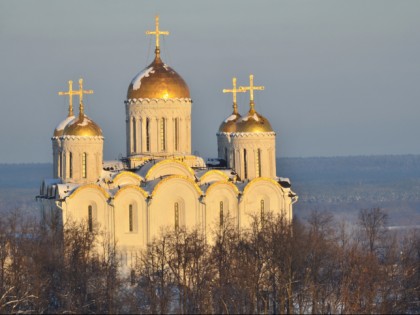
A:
x,y
126,178
261,195
221,197
78,203
130,217
169,167
166,194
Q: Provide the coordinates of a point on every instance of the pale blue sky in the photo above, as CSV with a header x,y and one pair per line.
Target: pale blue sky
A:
x,y
341,78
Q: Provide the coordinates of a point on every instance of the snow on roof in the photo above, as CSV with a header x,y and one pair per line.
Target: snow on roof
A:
x,y
150,185
85,121
142,171
231,117
114,165
254,116
136,82
65,190
64,123
284,179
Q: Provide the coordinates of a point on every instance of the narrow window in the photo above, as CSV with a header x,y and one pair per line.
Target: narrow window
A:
x,y
233,159
147,134
262,211
258,163
226,155
71,165
90,219
84,165
60,164
162,134
176,134
245,165
130,218
221,213
134,135
176,208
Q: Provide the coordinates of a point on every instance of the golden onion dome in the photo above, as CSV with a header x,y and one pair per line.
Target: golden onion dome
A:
x,y
253,122
82,126
229,124
158,80
58,131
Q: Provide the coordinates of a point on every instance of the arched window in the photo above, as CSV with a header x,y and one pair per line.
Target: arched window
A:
x,y
60,164
233,159
163,134
176,210
262,211
84,165
176,134
245,165
221,213
147,134
134,135
130,218
70,165
90,219
258,163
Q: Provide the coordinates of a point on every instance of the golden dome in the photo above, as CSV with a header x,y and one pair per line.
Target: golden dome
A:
x,y
253,122
158,80
58,131
82,126
229,124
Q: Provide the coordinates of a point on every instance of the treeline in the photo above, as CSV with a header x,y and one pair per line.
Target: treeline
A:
x,y
318,266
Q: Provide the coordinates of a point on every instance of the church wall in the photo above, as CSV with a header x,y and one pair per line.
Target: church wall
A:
x,y
166,194
130,235
217,193
257,190
76,208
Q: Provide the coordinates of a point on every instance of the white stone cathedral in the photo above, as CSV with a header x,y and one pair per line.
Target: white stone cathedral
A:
x,y
160,183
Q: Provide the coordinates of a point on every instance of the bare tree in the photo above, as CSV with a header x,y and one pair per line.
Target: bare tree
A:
x,y
372,223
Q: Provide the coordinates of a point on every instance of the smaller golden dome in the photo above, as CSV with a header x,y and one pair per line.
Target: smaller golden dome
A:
x,y
158,80
82,126
58,131
253,122
229,124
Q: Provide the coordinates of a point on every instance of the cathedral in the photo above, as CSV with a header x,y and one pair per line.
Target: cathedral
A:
x,y
160,184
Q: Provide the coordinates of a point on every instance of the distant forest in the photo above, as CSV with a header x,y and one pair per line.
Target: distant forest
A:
x,y
340,185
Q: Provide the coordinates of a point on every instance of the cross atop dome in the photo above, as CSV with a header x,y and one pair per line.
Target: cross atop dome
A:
x,y
157,33
234,90
251,88
80,92
70,93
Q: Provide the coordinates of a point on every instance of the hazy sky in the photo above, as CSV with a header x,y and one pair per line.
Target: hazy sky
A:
x,y
341,78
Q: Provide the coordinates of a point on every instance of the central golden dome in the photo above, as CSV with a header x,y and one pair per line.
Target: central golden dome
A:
x,y
158,80
82,126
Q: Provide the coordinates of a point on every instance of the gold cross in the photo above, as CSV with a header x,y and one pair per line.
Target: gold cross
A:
x,y
251,88
80,92
157,32
70,93
234,90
